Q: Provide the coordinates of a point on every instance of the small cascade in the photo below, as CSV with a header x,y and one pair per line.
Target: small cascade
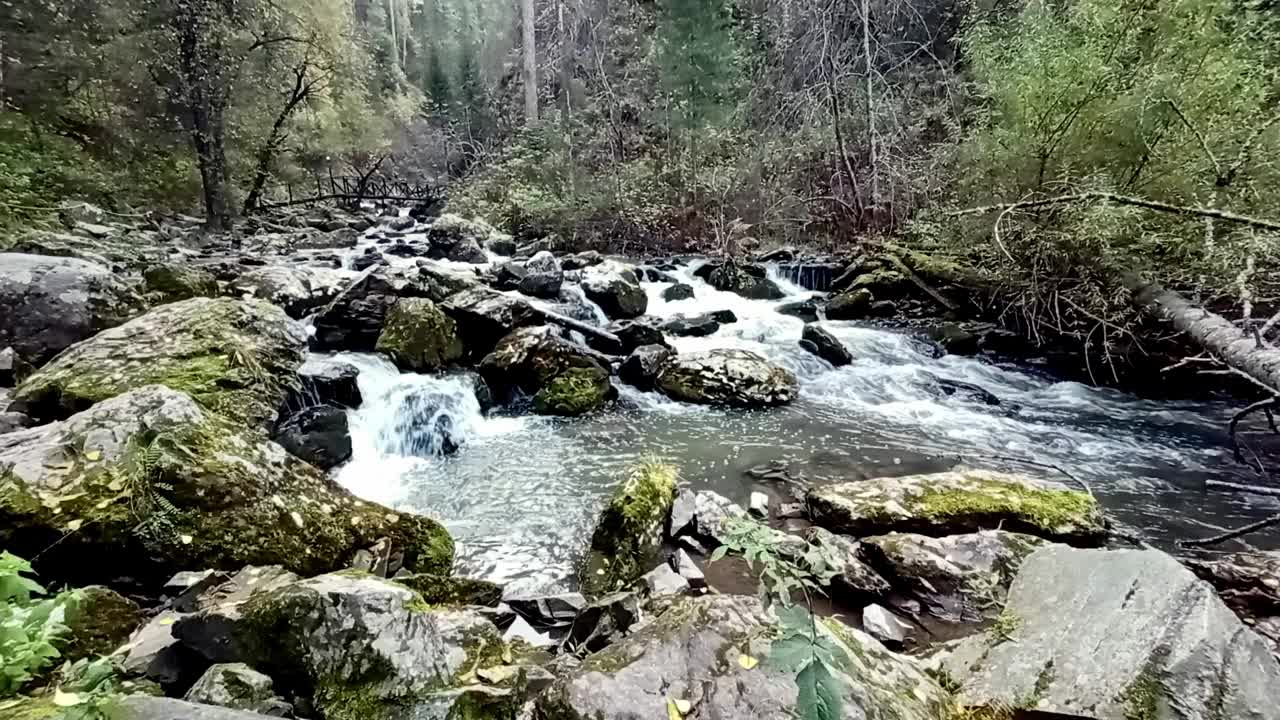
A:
x,y
815,277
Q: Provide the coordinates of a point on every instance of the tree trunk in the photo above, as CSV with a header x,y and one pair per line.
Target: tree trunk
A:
x,y
872,156
267,153
530,72
395,44
200,65
1214,333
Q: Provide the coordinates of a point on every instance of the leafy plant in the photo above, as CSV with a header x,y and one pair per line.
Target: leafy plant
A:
x,y
29,628
799,646
88,689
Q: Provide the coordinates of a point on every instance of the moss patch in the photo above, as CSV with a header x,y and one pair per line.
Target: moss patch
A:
x,y
419,336
171,282
453,591
1044,507
573,392
630,528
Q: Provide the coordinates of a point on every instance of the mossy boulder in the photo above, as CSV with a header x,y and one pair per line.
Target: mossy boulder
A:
x,y
485,317
852,304
574,392
237,358
564,377
453,591
365,648
959,501
615,287
100,621
737,378
173,281
453,237
705,650
155,482
419,336
628,532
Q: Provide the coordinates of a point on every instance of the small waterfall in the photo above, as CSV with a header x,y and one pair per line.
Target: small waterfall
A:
x,y
810,276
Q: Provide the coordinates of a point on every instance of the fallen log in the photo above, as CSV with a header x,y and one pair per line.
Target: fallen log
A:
x,y
584,328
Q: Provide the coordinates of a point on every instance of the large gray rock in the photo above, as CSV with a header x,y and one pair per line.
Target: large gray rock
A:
x,y
52,302
237,358
210,624
460,240
297,289
319,435
957,578
152,481
854,581
692,652
563,377
485,316
238,687
958,501
616,289
628,532
1117,635
819,341
418,336
174,281
144,707
737,378
366,645
642,366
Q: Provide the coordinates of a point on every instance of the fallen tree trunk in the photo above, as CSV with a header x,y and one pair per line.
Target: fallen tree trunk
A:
x,y
584,328
1241,351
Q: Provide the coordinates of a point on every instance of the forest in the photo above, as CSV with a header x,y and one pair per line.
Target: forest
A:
x,y
620,359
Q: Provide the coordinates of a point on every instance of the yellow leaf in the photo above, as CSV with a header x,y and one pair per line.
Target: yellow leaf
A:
x,y
65,699
167,621
684,706
673,710
186,539
74,525
93,455
747,662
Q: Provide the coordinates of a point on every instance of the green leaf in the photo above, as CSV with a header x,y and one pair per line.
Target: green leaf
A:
x,y
819,697
790,654
795,619
719,553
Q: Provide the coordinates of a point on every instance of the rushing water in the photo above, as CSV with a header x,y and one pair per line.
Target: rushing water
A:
x,y
520,492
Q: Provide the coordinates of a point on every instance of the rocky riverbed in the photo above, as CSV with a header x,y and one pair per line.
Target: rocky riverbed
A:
x,y
388,466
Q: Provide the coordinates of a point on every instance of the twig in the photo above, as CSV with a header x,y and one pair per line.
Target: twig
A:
x,y
1235,420
1123,200
1232,534
1241,487
1051,466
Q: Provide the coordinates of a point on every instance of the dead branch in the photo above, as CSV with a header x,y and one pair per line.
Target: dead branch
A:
x,y
1123,200
1266,404
1241,487
1233,534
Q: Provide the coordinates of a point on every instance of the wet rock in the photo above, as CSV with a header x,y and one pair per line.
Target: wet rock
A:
x,y
850,305
452,590
324,381
855,580
13,369
806,310
690,652
686,568
144,707
1249,583
957,578
602,622
632,334
955,502
501,244
238,687
642,366
460,240
564,378
954,338
152,652
365,643
884,626
724,317
297,289
584,259
402,222
484,317
12,421
318,435
238,357
967,392
229,496
507,275
679,291
418,336
209,627
427,423
825,345
541,285
548,611
737,378
98,623
52,302
615,288
749,281
174,281
628,532
691,325
663,581
1116,635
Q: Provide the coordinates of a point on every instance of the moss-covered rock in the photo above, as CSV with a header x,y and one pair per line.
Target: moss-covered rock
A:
x,y
419,336
453,591
367,648
958,502
849,305
100,621
151,480
564,377
628,532
574,392
170,282
237,358
737,378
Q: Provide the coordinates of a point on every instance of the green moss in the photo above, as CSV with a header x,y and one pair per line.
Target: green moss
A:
x,y
419,336
1005,626
1045,508
443,590
573,392
171,282
630,527
1142,699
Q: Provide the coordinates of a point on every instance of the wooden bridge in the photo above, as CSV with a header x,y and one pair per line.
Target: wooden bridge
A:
x,y
351,190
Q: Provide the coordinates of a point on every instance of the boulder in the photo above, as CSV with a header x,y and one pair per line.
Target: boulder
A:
x,y
402,222
297,289
484,317
1116,635
51,303
325,381
238,687
564,378
100,621
664,581
418,336
724,317
849,305
12,421
631,334
355,321
957,578
884,626
152,480
678,291
507,275
954,338
455,238
615,288
959,501
73,213
855,581
602,622
749,281
642,366
364,647
152,652
318,435
694,653
628,531
825,345
13,369
738,378
174,281
806,310
210,620
547,611
237,358
1249,583
541,285
450,590
691,325
145,707
501,244
586,258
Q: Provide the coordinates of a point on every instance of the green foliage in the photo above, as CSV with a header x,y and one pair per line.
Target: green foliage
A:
x,y
89,689
698,60
29,627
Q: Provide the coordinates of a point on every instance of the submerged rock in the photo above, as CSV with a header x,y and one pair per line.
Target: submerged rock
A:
x,y
151,479
418,336
691,325
642,366
737,378
615,289
957,578
825,345
237,358
173,281
318,435
693,653
1116,635
958,501
564,378
628,532
51,303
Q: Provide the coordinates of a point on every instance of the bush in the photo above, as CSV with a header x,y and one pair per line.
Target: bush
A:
x,y
29,627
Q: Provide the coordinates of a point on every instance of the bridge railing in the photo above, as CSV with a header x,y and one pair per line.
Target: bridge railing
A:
x,y
349,189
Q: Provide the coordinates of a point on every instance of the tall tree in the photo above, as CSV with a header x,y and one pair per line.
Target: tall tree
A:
x,y
530,72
